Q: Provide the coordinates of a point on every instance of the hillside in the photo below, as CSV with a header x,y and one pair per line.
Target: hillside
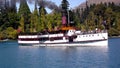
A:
x,y
83,5
103,1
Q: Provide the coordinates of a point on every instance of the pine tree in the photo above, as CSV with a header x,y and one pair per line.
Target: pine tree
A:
x,y
42,19
34,21
24,11
22,24
57,19
49,21
24,8
118,21
13,20
4,21
65,5
91,22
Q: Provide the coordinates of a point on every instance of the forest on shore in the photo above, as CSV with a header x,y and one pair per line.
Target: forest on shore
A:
x,y
13,21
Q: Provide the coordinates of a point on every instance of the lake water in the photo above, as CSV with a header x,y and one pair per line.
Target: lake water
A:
x,y
14,56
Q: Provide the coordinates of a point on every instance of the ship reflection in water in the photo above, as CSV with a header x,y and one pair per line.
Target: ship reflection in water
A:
x,y
68,57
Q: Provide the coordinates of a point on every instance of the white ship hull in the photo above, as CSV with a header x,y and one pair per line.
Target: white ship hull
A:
x,y
97,39
96,43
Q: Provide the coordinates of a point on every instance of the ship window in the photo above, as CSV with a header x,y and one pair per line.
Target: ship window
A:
x,y
58,38
92,35
98,34
44,38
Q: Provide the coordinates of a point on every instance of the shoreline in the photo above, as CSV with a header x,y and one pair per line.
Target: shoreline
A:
x,y
4,40
114,37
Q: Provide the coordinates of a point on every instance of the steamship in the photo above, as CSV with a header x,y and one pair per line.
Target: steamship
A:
x,y
65,36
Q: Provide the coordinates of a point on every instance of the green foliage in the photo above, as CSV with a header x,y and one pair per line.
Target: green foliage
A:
x,y
57,19
95,15
1,36
34,21
117,21
49,22
9,33
84,19
42,19
24,11
113,32
91,25
8,20
65,4
53,20
4,21
13,20
22,25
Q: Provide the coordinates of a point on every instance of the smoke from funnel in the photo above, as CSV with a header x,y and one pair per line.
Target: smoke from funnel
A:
x,y
49,4
44,3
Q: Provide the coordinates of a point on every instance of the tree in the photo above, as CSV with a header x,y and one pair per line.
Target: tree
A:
x,y
34,21
65,5
11,33
49,21
22,25
4,21
42,19
1,16
109,16
101,16
24,11
117,22
8,15
13,20
57,19
1,36
8,33
24,8
91,23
